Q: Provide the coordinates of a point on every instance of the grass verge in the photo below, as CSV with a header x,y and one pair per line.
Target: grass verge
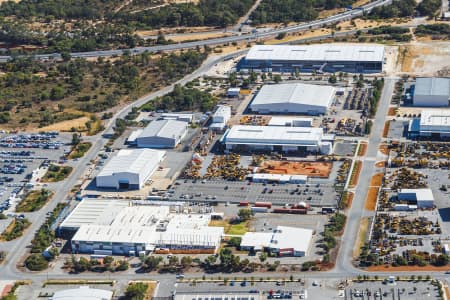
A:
x,y
371,200
360,240
386,128
355,173
15,229
34,200
236,229
56,173
79,150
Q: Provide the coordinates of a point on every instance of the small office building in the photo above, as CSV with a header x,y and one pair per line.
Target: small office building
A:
x,y
433,123
220,118
283,241
423,198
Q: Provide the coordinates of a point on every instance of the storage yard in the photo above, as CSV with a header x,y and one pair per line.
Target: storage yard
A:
x,y
311,169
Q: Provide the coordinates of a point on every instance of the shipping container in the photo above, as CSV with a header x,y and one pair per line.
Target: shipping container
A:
x,y
259,209
299,211
243,203
263,204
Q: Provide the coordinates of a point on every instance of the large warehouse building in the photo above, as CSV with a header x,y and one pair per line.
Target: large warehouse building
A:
x,y
433,123
319,58
283,241
432,91
293,98
129,169
278,139
119,227
162,134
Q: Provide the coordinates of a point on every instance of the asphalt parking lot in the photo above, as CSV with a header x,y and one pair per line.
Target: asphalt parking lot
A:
x,y
344,148
317,194
266,290
28,159
397,129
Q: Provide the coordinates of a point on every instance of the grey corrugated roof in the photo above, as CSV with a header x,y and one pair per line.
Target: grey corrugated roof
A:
x,y
295,93
432,86
323,52
164,128
132,161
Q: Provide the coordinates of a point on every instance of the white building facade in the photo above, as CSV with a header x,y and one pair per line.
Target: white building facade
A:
x,y
293,98
278,139
432,92
130,169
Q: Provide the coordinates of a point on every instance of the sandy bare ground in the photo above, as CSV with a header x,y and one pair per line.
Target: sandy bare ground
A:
x,y
78,123
425,58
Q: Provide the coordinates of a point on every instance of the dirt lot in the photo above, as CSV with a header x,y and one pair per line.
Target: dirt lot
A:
x,y
371,199
311,169
376,180
79,124
425,58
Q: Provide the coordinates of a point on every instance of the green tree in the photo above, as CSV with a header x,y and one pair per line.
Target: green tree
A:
x,y
36,262
244,214
136,291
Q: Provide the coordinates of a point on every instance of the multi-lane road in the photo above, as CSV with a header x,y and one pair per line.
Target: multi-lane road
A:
x,y
347,15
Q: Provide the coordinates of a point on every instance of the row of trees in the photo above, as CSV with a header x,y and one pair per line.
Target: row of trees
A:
x,y
84,86
94,265
283,11
406,8
182,98
205,13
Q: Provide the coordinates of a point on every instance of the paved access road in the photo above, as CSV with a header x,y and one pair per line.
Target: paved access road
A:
x,y
347,15
357,210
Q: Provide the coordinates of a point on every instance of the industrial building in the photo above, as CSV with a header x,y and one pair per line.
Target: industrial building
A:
x,y
431,91
293,98
423,198
162,134
278,139
283,241
130,169
220,118
188,118
291,122
433,123
314,58
82,293
233,92
120,227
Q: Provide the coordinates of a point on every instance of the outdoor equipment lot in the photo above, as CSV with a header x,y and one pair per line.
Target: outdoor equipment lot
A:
x,y
411,290
240,191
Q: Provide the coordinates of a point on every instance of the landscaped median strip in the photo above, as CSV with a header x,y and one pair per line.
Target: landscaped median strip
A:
x,y
357,166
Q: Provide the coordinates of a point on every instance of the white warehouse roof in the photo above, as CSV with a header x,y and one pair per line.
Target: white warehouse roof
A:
x,y
132,161
222,111
290,122
275,135
291,94
420,194
164,128
283,237
324,52
435,119
82,293
432,86
298,239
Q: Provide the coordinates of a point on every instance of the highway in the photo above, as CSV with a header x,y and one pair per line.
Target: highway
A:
x,y
347,15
